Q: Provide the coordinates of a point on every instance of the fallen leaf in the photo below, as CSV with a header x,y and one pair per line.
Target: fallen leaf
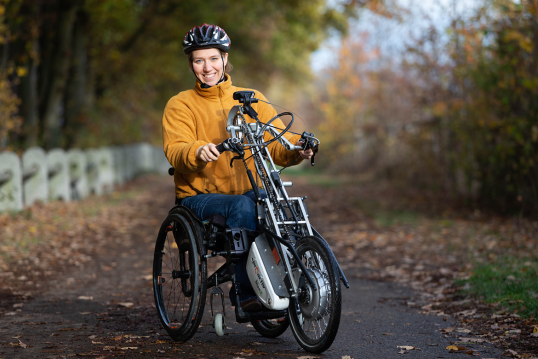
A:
x,y
535,330
402,351
462,330
405,347
126,304
82,297
17,305
85,313
452,347
128,348
22,345
513,331
388,334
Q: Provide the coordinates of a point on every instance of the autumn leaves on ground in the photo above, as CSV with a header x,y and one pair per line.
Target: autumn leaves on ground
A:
x,y
452,258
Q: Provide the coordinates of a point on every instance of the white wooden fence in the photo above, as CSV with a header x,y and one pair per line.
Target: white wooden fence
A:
x,y
74,174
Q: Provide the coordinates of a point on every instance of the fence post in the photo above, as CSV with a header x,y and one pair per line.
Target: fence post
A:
x,y
76,160
58,175
131,164
145,158
10,182
106,169
34,176
161,162
92,171
119,165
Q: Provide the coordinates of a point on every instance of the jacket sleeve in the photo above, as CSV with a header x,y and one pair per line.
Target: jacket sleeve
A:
x,y
281,156
179,138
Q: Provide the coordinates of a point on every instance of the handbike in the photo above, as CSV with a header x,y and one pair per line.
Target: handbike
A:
x,y
290,266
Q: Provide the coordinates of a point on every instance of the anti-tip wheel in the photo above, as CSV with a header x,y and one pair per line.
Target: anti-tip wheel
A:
x,y
219,324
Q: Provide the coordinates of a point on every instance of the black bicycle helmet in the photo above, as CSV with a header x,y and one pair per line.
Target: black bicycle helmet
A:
x,y
206,36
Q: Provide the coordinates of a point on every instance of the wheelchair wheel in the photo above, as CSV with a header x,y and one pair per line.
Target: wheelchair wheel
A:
x,y
179,275
271,328
315,315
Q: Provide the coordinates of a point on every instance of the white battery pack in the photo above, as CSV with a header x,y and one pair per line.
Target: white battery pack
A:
x,y
261,282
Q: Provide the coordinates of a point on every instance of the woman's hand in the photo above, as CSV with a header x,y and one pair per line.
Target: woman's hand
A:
x,y
207,153
304,154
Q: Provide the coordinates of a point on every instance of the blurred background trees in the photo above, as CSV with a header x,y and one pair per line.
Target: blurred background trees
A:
x,y
92,72
449,107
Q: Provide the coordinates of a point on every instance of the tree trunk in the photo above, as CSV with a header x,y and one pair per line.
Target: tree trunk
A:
x,y
75,102
28,107
53,95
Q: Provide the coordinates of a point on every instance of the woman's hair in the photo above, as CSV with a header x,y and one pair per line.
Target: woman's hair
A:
x,y
227,69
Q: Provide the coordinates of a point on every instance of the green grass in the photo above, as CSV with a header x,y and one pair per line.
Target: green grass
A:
x,y
510,281
385,218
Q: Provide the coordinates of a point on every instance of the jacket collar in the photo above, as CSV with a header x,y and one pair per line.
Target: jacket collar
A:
x,y
222,90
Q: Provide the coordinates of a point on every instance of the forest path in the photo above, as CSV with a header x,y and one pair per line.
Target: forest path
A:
x,y
104,308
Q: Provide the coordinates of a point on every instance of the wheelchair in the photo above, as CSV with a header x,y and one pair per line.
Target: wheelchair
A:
x,y
290,266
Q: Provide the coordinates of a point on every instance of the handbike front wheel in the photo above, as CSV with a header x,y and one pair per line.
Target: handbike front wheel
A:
x,y
315,315
179,275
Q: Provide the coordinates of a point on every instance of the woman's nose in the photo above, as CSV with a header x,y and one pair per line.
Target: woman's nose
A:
x,y
207,66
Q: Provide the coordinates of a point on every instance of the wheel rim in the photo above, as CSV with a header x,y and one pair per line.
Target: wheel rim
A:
x,y
176,276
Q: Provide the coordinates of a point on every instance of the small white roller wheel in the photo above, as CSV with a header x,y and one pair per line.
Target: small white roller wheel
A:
x,y
219,324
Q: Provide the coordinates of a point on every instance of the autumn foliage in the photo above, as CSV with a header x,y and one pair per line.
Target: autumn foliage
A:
x,y
83,73
458,113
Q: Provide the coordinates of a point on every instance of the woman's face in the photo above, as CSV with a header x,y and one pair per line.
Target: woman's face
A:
x,y
208,66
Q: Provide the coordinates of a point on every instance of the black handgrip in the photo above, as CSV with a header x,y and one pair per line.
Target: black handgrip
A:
x,y
310,143
220,148
171,171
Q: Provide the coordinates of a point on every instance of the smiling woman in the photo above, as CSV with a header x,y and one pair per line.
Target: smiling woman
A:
x,y
207,65
194,122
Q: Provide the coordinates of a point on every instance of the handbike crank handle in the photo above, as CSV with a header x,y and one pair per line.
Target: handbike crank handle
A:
x,y
230,144
310,143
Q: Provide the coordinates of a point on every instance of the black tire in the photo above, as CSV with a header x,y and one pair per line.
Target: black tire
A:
x,y
271,328
315,315
179,275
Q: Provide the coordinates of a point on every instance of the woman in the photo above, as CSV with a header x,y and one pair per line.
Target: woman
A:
x,y
194,122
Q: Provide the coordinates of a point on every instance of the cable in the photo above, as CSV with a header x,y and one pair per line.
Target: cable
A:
x,y
304,123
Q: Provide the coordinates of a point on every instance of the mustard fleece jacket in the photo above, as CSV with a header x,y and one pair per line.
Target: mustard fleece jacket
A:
x,y
196,117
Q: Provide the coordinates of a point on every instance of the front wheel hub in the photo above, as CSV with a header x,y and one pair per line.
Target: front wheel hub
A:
x,y
314,304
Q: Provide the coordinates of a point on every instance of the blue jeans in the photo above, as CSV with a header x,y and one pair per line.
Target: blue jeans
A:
x,y
239,211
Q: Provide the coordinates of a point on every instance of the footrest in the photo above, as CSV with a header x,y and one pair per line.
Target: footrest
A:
x,y
244,317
